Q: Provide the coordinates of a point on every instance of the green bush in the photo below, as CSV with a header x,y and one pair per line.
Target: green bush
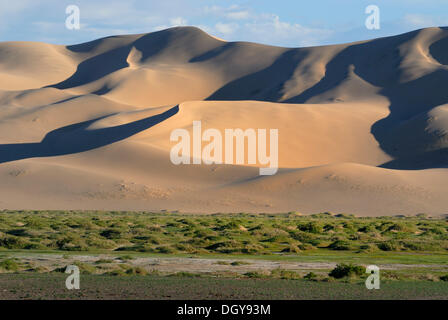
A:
x,y
310,276
117,272
306,246
389,246
136,271
111,234
285,274
444,278
291,249
239,263
12,242
346,270
254,275
71,244
367,228
419,246
126,258
340,245
9,265
303,236
165,249
84,268
312,227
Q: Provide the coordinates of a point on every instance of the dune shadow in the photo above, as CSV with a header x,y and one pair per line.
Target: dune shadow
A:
x,y
79,137
110,61
264,85
378,63
426,160
96,67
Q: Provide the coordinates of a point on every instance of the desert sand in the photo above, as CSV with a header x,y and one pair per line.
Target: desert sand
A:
x,y
363,127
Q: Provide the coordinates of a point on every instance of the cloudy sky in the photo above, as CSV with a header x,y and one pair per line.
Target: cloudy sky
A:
x,y
291,23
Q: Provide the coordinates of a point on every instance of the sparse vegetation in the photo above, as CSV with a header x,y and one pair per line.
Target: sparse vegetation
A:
x,y
233,240
246,234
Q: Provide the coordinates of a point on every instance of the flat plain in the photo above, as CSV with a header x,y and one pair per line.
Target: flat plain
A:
x,y
136,255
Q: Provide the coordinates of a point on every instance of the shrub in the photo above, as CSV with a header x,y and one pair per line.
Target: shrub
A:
x,y
165,249
117,272
252,249
401,227
306,246
224,247
389,246
420,246
126,257
84,268
71,244
340,245
291,249
101,243
367,228
239,263
136,271
9,265
18,232
346,270
444,278
12,242
111,234
367,248
303,236
101,261
34,246
254,274
285,274
311,227
310,276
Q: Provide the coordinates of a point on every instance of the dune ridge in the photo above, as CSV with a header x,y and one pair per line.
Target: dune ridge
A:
x,y
363,127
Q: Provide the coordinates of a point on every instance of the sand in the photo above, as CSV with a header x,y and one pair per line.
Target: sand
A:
x,y
362,126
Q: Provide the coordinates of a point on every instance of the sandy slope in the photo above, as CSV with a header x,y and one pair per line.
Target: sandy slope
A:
x,y
362,126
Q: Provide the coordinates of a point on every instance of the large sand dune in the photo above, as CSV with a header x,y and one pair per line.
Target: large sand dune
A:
x,y
363,127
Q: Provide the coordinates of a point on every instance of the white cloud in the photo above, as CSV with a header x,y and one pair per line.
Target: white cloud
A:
x,y
234,12
179,21
226,28
238,15
268,28
422,21
261,27
174,22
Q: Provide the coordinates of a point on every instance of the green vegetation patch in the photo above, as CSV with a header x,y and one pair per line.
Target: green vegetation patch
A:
x,y
235,234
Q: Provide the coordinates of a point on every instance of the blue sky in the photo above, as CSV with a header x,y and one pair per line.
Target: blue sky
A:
x,y
291,23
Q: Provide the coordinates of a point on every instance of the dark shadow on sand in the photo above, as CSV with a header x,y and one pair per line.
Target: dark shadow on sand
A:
x,y
77,138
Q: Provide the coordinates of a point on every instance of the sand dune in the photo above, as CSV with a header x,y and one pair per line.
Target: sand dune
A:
x,y
362,126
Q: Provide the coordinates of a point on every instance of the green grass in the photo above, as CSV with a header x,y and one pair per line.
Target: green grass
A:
x,y
229,237
222,234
